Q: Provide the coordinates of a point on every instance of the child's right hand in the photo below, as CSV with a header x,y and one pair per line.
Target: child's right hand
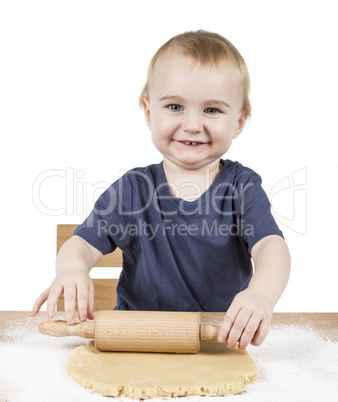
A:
x,y
76,285
74,261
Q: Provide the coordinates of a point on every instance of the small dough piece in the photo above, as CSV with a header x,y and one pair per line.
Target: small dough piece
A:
x,y
215,370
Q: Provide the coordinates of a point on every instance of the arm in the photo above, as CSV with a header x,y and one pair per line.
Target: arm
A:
x,y
73,263
249,316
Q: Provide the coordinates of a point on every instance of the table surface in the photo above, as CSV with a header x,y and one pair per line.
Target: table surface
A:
x,y
324,324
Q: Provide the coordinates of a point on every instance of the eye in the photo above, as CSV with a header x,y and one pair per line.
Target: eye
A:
x,y
175,108
212,110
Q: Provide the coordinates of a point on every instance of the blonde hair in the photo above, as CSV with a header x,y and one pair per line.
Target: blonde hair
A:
x,y
208,48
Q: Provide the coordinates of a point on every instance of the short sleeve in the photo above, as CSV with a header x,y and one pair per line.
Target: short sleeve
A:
x,y
257,221
105,227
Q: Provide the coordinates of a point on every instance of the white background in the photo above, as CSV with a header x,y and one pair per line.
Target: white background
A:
x,y
70,76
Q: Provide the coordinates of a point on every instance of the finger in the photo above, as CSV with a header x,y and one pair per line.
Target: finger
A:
x,y
249,331
91,302
261,333
54,293
237,328
82,302
69,300
228,321
40,301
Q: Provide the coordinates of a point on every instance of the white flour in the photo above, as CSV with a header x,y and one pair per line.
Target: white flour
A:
x,y
294,365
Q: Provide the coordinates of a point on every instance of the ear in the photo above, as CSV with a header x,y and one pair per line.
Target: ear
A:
x,y
240,127
146,108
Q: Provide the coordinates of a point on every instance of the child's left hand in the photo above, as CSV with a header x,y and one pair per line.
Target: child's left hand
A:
x,y
247,320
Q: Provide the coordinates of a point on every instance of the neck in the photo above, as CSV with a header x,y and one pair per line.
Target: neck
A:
x,y
190,184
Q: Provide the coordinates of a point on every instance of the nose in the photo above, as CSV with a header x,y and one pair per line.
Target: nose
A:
x,y
192,123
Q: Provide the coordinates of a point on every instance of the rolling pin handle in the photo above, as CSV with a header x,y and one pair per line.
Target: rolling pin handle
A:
x,y
208,332
61,328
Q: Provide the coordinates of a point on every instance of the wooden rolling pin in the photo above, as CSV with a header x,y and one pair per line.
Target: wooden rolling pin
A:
x,y
139,331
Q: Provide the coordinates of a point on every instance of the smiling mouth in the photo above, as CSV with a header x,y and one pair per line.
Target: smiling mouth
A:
x,y
194,143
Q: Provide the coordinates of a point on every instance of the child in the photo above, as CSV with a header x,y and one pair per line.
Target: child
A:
x,y
189,226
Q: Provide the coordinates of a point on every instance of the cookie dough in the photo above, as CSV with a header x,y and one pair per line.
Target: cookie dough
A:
x,y
215,370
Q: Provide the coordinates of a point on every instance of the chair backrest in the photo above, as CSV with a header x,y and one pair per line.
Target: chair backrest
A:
x,y
105,289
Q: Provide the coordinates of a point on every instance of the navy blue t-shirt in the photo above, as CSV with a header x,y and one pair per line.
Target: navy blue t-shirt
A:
x,y
180,255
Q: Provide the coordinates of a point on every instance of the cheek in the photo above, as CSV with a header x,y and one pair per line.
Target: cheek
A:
x,y
222,135
163,126
223,131
225,143
159,133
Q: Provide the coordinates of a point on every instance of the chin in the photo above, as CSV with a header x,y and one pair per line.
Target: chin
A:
x,y
193,164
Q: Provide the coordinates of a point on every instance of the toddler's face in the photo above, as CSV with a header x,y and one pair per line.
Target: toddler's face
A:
x,y
193,111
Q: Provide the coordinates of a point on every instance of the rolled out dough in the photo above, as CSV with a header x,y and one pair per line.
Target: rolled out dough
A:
x,y
215,370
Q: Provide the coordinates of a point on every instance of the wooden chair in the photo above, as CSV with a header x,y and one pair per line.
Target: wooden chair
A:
x,y
105,289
